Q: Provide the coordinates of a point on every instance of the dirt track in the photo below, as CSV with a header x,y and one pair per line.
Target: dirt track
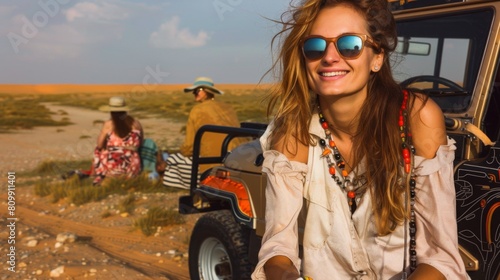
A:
x,y
106,248
126,247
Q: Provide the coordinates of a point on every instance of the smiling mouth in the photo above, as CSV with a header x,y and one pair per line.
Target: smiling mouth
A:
x,y
333,74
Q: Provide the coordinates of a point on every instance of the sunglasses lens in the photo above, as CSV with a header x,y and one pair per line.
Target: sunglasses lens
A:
x,y
349,46
314,48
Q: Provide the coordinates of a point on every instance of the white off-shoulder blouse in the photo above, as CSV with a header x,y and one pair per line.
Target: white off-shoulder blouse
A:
x,y
337,245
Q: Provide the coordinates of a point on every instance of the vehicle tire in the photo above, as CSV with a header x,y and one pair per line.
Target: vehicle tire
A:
x,y
218,248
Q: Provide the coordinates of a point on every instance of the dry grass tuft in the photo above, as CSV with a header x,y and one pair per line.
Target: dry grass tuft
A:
x,y
158,217
127,204
80,190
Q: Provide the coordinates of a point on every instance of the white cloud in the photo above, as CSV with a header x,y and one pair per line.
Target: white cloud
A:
x,y
58,42
45,42
169,35
96,12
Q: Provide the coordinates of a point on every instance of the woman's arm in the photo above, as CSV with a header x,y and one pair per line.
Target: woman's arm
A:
x,y
101,139
426,272
137,125
280,267
428,134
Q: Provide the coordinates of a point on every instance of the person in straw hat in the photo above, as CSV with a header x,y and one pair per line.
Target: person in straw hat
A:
x,y
209,111
116,153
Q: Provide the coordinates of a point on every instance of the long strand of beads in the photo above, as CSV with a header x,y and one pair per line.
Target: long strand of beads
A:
x,y
407,151
331,148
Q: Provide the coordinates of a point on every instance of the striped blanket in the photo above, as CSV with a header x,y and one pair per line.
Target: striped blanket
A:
x,y
178,171
148,151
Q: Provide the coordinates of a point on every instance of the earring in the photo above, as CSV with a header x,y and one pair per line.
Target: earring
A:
x,y
375,68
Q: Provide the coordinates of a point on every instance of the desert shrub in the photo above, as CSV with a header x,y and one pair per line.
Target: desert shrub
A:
x,y
80,191
126,205
57,168
158,217
26,113
86,194
141,183
42,188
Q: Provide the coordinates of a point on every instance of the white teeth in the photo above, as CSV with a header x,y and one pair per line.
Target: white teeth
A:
x,y
331,74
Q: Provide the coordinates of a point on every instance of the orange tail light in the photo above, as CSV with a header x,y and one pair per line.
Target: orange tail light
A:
x,y
238,189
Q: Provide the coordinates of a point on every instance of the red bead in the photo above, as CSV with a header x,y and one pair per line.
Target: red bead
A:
x,y
344,173
406,153
351,194
332,170
407,167
324,125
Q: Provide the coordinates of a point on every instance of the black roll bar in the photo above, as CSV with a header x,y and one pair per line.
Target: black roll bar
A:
x,y
245,130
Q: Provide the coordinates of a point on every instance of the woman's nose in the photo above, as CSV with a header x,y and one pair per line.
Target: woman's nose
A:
x,y
331,53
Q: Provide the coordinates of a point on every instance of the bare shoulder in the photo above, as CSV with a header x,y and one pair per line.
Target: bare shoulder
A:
x,y
427,127
137,124
292,149
107,126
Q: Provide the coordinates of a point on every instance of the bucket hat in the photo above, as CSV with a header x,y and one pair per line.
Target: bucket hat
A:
x,y
116,104
203,82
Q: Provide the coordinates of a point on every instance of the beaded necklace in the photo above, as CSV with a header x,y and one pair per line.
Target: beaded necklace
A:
x,y
352,189
407,152
358,186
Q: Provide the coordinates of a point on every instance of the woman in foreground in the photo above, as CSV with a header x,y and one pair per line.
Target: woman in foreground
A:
x,y
367,165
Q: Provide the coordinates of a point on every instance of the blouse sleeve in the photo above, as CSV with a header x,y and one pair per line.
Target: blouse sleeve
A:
x,y
435,209
284,198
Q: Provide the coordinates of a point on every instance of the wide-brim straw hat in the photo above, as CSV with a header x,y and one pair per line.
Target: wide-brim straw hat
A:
x,y
204,82
116,104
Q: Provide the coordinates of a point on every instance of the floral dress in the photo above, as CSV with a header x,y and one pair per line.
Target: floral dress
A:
x,y
120,157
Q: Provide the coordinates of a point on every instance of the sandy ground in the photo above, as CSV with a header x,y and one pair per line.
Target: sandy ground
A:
x,y
64,241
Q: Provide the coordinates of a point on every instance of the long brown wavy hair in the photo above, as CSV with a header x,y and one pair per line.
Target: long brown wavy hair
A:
x,y
122,123
378,137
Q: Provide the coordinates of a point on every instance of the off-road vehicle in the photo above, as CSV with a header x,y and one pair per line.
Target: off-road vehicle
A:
x,y
448,50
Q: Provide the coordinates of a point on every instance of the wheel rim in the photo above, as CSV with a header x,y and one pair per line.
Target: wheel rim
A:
x,y
213,260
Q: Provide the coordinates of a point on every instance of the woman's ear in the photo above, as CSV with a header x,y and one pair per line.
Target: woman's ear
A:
x,y
378,61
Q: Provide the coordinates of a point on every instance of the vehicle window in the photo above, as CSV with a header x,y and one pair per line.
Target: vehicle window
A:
x,y
490,121
454,62
441,55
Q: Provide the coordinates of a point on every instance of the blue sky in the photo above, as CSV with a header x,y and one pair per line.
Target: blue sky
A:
x,y
134,42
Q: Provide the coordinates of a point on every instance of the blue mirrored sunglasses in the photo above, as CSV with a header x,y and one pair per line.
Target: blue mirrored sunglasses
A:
x,y
349,46
197,90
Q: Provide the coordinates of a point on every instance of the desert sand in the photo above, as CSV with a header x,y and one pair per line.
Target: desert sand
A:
x,y
64,241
